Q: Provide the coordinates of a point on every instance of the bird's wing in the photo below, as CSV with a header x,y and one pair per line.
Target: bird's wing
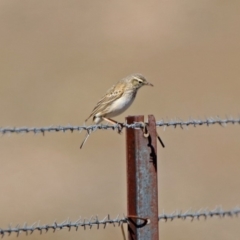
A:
x,y
112,95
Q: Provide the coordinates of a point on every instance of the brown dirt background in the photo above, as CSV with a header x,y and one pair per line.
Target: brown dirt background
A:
x,y
57,58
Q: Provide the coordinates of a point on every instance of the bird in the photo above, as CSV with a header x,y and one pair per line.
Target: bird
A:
x,y
117,99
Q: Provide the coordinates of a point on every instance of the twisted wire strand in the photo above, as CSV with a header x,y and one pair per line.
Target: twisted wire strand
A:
x,y
118,221
171,123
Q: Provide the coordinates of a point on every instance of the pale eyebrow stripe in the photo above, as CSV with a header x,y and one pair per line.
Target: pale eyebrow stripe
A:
x,y
140,80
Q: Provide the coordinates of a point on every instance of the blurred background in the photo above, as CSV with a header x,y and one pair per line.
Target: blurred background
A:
x,y
57,58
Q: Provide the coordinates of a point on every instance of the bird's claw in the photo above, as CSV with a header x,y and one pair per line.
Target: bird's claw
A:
x,y
120,127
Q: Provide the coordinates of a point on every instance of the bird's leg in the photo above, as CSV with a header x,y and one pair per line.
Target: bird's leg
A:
x,y
120,125
110,120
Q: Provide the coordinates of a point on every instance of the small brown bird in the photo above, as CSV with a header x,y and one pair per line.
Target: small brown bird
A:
x,y
117,99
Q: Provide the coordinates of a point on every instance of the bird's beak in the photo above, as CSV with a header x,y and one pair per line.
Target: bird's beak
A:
x,y
149,84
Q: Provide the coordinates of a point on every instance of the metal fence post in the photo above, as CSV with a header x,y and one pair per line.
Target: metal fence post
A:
x,y
142,188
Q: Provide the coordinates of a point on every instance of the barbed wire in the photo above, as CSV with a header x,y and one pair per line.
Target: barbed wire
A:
x,y
118,221
198,122
202,213
162,123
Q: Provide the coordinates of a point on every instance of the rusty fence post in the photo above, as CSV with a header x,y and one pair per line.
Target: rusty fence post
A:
x,y
142,187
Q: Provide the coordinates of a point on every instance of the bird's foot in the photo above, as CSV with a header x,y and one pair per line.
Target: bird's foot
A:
x,y
120,127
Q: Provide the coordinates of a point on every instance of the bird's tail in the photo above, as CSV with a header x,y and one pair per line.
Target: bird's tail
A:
x,y
85,139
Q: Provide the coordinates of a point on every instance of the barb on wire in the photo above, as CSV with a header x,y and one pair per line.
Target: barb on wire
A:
x,y
119,221
90,128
